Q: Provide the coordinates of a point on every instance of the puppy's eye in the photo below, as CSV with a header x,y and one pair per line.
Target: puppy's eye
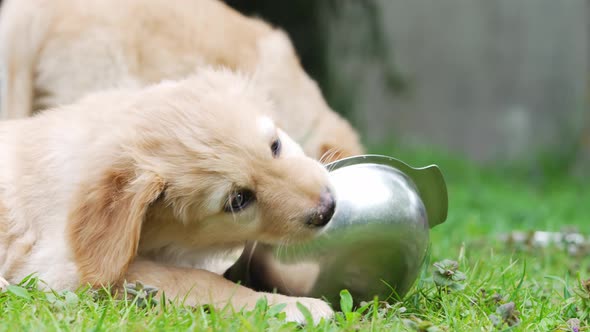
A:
x,y
275,147
239,200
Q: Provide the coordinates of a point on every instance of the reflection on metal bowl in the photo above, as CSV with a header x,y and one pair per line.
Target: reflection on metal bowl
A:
x,y
374,245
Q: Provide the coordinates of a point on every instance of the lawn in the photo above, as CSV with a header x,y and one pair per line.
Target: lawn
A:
x,y
506,285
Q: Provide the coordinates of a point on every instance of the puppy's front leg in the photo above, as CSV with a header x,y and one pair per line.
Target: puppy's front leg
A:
x,y
203,287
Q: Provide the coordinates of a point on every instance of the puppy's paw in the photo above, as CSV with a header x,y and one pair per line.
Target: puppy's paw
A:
x,y
3,284
318,308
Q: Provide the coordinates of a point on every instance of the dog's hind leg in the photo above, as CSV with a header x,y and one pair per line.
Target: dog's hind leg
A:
x,y
23,25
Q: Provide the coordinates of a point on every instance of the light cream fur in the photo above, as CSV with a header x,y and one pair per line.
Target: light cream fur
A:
x,y
55,51
131,184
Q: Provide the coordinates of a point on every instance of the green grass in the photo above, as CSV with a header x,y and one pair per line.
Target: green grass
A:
x,y
543,284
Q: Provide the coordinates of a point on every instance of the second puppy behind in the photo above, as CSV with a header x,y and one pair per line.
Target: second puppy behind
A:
x,y
54,52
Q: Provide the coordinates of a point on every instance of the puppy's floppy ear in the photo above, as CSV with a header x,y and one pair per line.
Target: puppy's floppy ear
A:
x,y
105,223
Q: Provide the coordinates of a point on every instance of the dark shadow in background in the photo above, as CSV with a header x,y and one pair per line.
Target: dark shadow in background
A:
x,y
301,20
304,21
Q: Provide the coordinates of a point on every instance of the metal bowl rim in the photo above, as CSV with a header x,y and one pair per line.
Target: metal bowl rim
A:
x,y
429,180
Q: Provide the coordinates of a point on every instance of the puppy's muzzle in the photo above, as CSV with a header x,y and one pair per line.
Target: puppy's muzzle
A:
x,y
324,211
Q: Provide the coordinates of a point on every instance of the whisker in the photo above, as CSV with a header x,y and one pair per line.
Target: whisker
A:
x,y
282,246
324,156
250,255
233,214
336,154
329,155
331,168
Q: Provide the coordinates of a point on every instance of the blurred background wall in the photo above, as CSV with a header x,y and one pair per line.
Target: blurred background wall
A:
x,y
503,80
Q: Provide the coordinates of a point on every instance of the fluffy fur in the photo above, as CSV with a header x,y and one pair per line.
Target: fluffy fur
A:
x,y
128,185
55,51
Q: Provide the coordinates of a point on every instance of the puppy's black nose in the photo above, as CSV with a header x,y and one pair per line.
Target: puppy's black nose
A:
x,y
325,210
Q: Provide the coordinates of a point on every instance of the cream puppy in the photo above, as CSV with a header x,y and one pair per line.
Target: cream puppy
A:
x,y
55,51
156,185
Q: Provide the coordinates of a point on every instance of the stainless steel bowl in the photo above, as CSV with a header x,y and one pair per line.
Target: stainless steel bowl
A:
x,y
375,243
